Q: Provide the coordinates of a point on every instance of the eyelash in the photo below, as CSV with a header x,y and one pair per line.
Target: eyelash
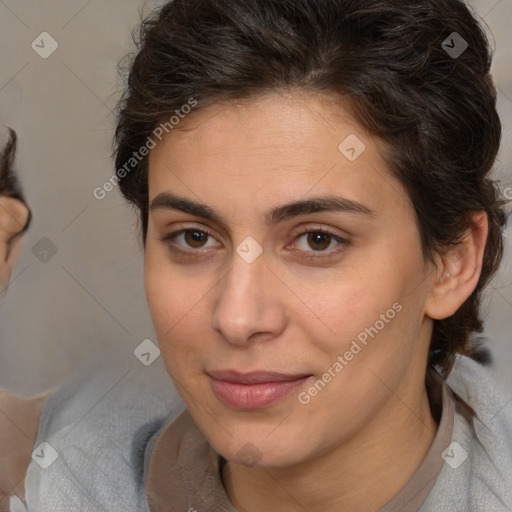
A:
x,y
312,254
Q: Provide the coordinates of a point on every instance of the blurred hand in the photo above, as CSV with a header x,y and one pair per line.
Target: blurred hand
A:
x,y
19,420
14,216
19,417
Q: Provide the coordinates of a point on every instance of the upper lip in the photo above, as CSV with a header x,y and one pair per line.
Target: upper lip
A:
x,y
257,377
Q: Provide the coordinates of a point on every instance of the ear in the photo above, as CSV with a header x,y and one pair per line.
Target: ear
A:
x,y
458,271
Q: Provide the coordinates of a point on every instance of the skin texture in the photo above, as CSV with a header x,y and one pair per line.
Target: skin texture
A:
x,y
19,417
289,313
13,217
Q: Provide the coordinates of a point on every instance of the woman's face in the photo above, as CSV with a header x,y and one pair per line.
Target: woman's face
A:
x,y
338,313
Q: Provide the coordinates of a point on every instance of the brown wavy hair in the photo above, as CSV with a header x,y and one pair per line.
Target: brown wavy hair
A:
x,y
436,113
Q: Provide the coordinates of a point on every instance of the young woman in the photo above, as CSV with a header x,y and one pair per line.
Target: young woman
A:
x,y
319,224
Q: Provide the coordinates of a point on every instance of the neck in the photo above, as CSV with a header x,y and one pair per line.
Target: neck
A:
x,y
390,449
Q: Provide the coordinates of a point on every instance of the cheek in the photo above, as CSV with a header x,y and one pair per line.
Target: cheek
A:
x,y
371,317
177,305
170,295
346,304
160,295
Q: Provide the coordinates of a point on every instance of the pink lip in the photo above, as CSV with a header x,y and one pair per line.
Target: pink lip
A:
x,y
254,390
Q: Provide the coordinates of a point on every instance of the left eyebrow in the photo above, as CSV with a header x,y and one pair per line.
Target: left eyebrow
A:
x,y
168,201
317,204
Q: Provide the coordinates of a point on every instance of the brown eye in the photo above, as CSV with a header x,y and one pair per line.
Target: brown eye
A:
x,y
190,241
319,241
195,238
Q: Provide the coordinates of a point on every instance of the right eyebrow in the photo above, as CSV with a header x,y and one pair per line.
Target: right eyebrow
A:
x,y
168,201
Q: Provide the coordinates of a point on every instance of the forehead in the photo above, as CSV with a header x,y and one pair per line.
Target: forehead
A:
x,y
282,146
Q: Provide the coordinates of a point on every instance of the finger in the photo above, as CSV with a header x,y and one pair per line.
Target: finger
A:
x,y
19,422
9,253
13,251
14,216
5,275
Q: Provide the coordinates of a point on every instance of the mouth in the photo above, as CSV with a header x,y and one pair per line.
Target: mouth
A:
x,y
254,390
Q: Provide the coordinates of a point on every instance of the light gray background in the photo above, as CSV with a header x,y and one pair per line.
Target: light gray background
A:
x,y
89,297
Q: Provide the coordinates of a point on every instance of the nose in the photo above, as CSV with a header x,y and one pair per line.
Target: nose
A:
x,y
248,305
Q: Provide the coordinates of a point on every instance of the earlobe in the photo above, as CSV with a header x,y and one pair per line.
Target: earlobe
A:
x,y
458,271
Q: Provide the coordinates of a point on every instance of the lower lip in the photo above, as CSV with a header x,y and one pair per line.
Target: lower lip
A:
x,y
253,396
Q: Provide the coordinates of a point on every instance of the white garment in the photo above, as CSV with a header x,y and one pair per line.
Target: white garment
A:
x,y
99,422
483,482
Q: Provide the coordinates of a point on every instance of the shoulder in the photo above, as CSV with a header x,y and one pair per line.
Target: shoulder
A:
x,y
93,435
477,474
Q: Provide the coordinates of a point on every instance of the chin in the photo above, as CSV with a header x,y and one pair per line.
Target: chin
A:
x,y
260,450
